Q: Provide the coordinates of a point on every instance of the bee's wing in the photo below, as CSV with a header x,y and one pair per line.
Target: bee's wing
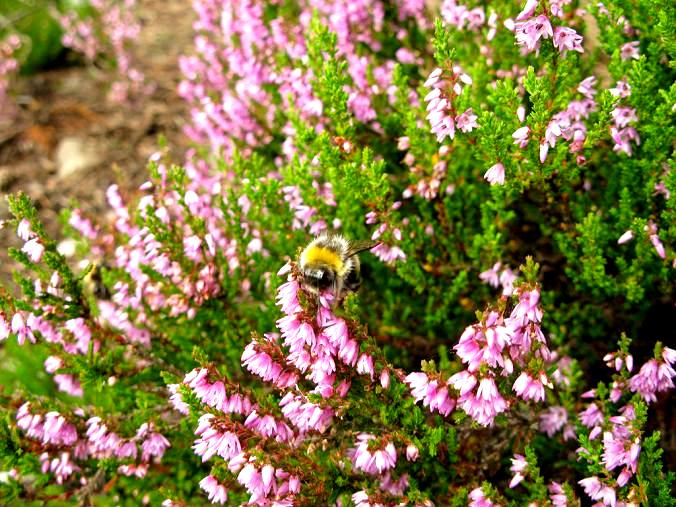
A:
x,y
360,246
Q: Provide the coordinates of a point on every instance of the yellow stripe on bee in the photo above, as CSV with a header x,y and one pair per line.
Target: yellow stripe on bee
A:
x,y
317,254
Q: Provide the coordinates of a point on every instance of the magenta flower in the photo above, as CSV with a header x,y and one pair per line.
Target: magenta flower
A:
x,y
23,230
34,249
466,122
365,365
412,452
653,377
528,10
557,495
373,462
591,416
5,328
529,388
217,493
519,465
68,384
567,39
478,499
521,136
586,87
529,33
623,139
495,174
627,236
388,254
630,51
486,404
553,419
618,451
596,490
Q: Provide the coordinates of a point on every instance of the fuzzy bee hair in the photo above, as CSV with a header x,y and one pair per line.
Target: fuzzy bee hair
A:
x,y
330,261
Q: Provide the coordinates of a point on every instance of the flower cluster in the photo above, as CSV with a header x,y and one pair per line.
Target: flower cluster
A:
x,y
568,124
8,67
491,348
62,445
441,113
308,117
112,28
530,29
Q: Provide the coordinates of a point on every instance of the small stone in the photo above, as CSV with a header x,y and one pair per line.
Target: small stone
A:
x,y
73,155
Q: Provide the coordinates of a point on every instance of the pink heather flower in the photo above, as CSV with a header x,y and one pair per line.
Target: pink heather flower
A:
x,y
251,478
34,249
57,431
519,465
507,279
287,297
623,139
21,330
591,416
657,244
388,254
373,462
361,499
385,379
528,10
623,116
529,388
630,50
217,493
154,445
528,33
412,452
653,377
495,174
520,136
466,122
491,276
586,87
68,384
23,230
365,365
176,400
557,495
432,395
596,490
5,328
669,355
53,363
618,452
622,89
478,499
567,39
553,419
486,404
627,236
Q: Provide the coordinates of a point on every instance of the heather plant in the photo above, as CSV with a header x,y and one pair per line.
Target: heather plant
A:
x,y
9,67
104,32
515,172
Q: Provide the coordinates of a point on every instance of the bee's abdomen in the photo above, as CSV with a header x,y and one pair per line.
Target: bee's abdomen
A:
x,y
319,278
353,280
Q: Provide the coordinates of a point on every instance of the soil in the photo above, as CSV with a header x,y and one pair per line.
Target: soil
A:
x,y
68,142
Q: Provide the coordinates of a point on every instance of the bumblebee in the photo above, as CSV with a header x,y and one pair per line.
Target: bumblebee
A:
x,y
92,282
331,262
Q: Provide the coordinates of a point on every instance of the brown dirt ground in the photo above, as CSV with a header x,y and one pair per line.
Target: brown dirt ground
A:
x,y
71,103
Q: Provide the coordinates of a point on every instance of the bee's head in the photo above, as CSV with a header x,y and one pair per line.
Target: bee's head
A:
x,y
319,277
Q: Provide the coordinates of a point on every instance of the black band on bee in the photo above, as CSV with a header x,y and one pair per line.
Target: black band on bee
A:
x,y
319,278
